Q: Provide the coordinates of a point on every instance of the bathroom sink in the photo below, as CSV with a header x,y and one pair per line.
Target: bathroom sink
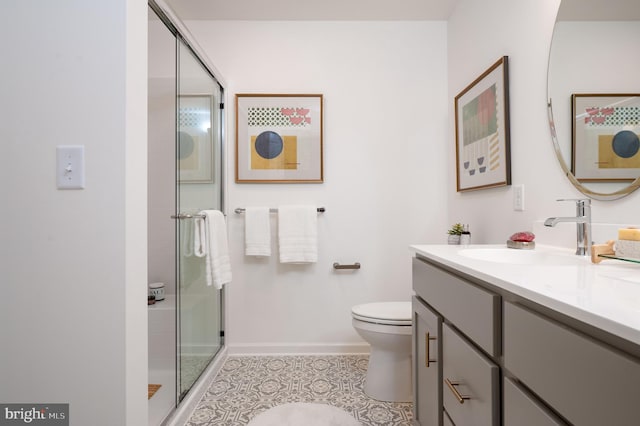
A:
x,y
537,256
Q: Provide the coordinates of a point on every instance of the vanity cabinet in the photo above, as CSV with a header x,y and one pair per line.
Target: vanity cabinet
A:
x,y
502,359
585,381
464,319
427,356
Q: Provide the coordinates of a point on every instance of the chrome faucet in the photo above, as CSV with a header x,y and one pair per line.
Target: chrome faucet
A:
x,y
583,225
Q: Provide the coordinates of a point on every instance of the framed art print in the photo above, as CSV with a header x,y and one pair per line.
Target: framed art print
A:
x,y
483,158
279,138
605,137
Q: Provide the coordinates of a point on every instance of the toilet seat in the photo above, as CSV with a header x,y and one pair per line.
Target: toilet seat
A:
x,y
386,313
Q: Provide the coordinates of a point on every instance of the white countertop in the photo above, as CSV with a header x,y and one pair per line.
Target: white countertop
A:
x,y
604,295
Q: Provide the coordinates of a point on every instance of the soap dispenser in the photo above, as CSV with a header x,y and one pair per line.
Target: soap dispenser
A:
x,y
465,236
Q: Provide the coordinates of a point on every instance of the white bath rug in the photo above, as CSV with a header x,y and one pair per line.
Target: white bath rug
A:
x,y
304,414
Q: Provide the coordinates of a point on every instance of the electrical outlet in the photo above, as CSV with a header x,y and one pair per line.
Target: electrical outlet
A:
x,y
518,198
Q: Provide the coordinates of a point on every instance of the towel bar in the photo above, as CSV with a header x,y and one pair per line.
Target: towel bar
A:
x,y
190,216
186,216
240,210
356,265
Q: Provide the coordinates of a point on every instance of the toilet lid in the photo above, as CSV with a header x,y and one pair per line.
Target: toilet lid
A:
x,y
392,313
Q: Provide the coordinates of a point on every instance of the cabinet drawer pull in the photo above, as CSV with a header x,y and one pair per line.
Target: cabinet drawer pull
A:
x,y
426,345
452,387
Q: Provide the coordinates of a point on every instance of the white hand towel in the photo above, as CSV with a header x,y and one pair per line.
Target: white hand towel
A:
x,y
298,234
212,234
257,231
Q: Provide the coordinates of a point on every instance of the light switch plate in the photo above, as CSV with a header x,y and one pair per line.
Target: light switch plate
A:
x,y
70,166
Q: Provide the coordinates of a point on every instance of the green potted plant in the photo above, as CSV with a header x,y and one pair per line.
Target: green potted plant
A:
x,y
454,233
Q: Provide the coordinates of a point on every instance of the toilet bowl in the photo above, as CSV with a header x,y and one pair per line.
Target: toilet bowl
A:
x,y
386,326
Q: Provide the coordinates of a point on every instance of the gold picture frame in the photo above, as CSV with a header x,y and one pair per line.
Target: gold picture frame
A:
x,y
483,152
279,138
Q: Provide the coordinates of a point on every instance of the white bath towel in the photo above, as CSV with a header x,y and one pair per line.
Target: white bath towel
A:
x,y
257,231
211,243
298,234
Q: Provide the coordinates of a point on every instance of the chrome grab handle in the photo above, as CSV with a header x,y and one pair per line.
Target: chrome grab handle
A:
x,y
452,387
356,265
426,345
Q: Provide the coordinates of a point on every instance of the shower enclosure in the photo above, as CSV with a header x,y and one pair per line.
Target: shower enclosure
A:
x,y
185,165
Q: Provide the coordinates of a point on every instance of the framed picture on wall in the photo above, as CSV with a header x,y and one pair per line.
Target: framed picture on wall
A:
x,y
195,139
605,137
483,156
279,138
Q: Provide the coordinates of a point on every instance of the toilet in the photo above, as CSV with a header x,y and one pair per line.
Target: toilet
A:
x,y
386,326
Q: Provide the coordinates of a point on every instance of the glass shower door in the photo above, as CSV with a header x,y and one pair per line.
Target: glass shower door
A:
x,y
199,187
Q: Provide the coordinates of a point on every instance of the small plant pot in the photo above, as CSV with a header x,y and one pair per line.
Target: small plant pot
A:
x,y
453,239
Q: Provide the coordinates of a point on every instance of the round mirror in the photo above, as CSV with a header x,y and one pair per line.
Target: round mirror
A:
x,y
593,92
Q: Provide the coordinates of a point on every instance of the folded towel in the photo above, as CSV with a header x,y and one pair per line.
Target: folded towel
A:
x,y
257,231
210,242
298,234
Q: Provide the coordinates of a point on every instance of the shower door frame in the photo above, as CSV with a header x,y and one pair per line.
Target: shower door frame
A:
x,y
198,341
175,26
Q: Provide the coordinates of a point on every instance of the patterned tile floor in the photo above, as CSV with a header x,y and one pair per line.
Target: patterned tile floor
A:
x,y
247,385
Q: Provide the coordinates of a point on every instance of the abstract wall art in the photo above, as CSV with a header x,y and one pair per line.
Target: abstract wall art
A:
x,y
482,131
605,137
279,138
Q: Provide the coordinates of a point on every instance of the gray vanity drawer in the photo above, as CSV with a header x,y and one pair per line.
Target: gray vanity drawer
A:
x,y
521,409
584,381
473,310
474,376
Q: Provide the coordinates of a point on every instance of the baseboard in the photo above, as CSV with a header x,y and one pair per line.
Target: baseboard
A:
x,y
298,349
188,405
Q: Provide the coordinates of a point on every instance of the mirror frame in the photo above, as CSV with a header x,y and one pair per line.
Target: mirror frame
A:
x,y
602,196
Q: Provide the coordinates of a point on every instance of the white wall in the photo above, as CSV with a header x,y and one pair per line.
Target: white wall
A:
x,y
479,33
385,121
73,262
